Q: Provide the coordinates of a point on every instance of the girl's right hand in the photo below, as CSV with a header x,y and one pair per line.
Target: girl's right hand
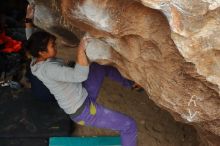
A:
x,y
83,43
82,46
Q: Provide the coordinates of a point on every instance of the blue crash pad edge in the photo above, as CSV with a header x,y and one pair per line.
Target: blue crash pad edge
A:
x,y
85,141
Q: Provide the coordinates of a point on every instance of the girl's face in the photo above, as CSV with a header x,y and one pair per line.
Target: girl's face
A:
x,y
51,50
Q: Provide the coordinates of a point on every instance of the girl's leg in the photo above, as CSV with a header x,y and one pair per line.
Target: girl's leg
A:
x,y
96,76
115,75
98,116
95,79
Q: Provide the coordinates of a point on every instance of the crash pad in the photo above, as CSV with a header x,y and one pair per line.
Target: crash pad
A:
x,y
85,141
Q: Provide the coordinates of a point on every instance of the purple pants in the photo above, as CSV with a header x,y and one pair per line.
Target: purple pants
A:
x,y
96,115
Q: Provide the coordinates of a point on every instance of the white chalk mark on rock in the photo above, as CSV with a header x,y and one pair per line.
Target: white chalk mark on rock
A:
x,y
192,100
191,115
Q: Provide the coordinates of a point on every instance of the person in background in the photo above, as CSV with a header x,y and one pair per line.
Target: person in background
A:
x,y
76,89
10,58
7,44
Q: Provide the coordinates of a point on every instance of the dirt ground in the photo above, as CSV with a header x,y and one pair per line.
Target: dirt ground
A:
x,y
156,127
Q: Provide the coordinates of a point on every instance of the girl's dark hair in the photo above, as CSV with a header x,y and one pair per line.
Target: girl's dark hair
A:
x,y
38,42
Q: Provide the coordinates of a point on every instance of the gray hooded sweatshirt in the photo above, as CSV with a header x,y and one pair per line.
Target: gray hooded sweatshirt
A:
x,y
64,82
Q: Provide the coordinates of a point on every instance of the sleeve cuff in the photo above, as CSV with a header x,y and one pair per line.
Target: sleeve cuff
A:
x,y
82,69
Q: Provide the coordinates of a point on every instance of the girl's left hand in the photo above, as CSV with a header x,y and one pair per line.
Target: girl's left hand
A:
x,y
30,11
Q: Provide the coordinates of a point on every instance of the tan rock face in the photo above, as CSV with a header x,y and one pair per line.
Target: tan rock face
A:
x,y
173,53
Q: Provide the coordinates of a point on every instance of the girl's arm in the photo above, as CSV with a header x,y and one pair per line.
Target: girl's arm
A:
x,y
79,73
81,54
58,72
29,26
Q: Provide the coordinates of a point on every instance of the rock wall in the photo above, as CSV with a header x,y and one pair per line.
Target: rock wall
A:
x,y
172,51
